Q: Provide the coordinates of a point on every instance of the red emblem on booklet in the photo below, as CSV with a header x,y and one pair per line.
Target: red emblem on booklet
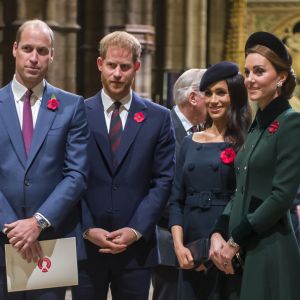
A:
x,y
273,127
52,103
139,117
44,264
227,156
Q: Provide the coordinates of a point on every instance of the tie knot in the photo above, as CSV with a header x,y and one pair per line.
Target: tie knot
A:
x,y
194,128
117,105
28,95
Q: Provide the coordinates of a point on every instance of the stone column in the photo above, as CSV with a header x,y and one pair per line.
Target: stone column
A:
x,y
175,31
196,28
216,27
236,32
62,18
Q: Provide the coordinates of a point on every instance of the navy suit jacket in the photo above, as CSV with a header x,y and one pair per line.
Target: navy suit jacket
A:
x,y
180,132
53,177
133,194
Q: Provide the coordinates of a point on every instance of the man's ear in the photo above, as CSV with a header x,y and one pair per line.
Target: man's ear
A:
x,y
192,98
100,63
137,65
52,55
14,49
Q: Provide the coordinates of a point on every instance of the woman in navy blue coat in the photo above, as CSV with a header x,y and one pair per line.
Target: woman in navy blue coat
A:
x,y
205,180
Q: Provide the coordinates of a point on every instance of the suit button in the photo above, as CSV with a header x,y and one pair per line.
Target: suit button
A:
x,y
245,168
115,187
27,183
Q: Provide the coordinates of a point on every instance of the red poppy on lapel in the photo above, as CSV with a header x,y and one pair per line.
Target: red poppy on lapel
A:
x,y
227,156
53,103
273,127
139,117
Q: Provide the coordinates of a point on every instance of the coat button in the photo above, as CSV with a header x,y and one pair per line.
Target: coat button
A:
x,y
114,187
26,182
242,190
245,168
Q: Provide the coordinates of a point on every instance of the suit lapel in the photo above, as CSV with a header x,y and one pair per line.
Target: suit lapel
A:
x,y
132,127
9,115
43,123
96,119
179,129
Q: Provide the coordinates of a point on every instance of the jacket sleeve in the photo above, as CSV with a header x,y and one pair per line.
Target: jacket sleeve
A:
x,y
152,205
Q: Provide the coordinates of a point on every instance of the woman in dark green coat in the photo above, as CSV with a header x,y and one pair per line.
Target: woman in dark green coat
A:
x,y
257,218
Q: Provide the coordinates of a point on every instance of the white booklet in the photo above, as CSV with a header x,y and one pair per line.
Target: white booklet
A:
x,y
57,268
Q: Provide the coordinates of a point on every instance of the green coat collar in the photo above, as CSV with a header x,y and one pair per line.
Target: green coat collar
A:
x,y
264,117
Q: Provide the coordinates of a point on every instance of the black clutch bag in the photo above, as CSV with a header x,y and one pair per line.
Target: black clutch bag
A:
x,y
165,247
199,250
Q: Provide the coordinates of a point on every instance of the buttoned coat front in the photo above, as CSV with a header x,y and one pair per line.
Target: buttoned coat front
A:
x,y
268,175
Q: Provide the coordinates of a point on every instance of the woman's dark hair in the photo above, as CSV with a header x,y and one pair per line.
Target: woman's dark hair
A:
x,y
238,117
280,65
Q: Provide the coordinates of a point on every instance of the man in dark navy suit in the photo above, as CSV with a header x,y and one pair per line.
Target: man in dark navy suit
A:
x,y
131,155
43,166
188,115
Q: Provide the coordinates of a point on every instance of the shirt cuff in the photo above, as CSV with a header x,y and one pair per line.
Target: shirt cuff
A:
x,y
42,216
137,234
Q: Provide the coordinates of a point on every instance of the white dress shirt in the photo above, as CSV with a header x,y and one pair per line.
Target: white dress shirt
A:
x,y
184,121
108,105
19,91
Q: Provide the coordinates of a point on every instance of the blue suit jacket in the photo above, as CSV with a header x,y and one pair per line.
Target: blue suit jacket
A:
x,y
135,192
53,177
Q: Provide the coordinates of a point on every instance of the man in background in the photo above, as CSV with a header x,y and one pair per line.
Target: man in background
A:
x,y
188,116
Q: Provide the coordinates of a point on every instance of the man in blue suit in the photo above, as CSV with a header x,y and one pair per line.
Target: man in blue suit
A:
x,y
43,166
131,171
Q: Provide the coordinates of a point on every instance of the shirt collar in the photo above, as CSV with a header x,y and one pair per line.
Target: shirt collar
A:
x,y
185,122
264,117
108,101
19,90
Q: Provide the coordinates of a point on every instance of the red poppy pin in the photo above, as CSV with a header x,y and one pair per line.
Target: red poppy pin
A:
x,y
227,156
139,117
273,127
52,103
